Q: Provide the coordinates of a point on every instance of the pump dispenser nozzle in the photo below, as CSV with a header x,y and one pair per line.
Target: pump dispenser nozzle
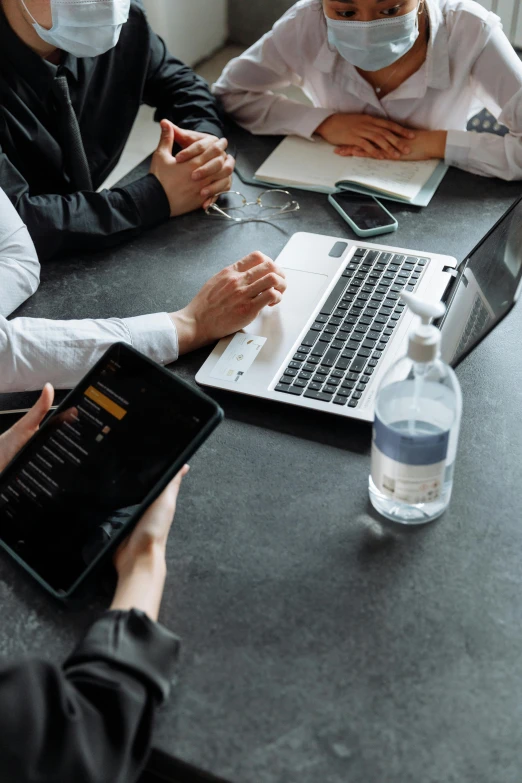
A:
x,y
424,339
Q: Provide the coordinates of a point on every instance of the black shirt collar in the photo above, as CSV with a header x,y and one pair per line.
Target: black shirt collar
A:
x,y
25,62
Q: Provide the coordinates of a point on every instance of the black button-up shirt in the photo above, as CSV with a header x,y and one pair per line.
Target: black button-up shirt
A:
x,y
91,719
106,93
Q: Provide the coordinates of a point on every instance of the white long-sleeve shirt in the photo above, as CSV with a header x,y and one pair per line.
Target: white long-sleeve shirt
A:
x,y
469,64
36,350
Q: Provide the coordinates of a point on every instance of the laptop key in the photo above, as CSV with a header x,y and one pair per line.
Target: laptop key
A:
x,y
338,344
371,256
312,360
348,385
316,327
317,395
372,363
304,348
356,395
291,372
310,339
422,261
287,379
304,376
353,403
329,389
300,357
315,386
344,392
289,389
358,363
322,370
339,400
343,364
348,353
300,383
295,366
336,293
319,349
322,319
330,358
365,352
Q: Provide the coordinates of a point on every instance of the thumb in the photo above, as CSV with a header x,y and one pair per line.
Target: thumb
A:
x,y
166,141
29,423
12,441
184,137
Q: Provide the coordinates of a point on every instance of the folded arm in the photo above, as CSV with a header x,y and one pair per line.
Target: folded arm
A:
x,y
497,76
179,94
246,87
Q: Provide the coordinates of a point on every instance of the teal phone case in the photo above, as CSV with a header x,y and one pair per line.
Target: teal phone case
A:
x,y
368,232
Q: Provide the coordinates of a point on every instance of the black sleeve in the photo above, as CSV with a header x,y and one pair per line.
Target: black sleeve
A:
x,y
89,722
85,220
179,94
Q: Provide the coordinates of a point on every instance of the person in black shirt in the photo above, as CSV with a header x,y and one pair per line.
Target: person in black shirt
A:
x,y
90,720
64,121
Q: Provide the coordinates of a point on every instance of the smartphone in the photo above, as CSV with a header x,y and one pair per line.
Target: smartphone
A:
x,y
83,481
366,216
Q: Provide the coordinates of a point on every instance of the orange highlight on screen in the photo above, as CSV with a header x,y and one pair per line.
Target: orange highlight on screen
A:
x,y
104,402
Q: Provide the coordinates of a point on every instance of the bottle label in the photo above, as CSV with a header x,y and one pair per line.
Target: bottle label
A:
x,y
409,468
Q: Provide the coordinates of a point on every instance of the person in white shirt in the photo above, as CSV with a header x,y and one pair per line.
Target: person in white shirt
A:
x,y
387,79
36,350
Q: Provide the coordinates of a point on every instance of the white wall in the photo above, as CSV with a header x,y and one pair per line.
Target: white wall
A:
x,y
192,29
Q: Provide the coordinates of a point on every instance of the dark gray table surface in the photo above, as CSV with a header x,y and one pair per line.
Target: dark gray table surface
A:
x,y
318,645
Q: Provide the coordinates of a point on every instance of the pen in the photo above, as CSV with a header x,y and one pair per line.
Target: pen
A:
x,y
23,410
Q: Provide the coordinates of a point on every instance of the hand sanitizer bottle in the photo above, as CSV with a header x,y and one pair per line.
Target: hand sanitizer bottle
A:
x,y
416,427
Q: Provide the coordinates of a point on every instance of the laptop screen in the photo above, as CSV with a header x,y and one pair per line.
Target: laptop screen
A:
x,y
486,288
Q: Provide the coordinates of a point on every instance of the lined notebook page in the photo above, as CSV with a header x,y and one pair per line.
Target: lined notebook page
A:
x,y
297,161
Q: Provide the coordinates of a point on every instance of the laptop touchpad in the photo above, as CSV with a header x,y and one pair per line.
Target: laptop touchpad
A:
x,y
281,324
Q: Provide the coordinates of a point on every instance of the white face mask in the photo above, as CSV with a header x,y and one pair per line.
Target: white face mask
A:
x,y
84,28
371,46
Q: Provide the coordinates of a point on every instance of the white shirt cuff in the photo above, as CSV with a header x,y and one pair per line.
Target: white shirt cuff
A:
x,y
458,147
310,120
155,336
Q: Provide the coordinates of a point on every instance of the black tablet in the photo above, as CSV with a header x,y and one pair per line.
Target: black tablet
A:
x,y
83,481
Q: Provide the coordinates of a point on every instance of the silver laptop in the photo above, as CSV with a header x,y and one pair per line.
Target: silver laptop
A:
x,y
341,324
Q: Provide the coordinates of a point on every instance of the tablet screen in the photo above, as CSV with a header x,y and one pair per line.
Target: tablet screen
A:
x,y
85,474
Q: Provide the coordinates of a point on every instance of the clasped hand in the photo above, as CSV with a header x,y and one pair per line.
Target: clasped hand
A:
x,y
364,136
197,173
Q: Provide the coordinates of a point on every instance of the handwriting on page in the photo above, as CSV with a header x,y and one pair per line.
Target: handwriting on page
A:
x,y
401,178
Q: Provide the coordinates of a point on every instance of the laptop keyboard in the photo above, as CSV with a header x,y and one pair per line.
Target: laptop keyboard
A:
x,y
343,346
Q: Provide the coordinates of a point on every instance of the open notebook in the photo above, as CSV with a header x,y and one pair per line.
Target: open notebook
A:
x,y
313,165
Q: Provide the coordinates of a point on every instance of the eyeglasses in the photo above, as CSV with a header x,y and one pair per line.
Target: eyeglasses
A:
x,y
270,205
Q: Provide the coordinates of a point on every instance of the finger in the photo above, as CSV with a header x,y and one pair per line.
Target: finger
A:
x,y
346,150
267,299
270,280
32,420
185,138
199,147
379,141
251,260
400,146
212,149
371,149
259,271
407,133
216,165
219,186
166,141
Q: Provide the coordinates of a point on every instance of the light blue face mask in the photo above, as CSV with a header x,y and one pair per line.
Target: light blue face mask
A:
x,y
371,46
84,28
